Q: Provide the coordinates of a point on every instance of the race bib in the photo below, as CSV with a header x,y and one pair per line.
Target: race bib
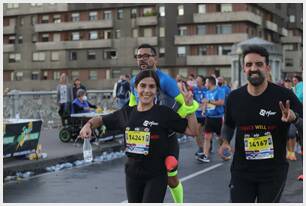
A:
x,y
137,142
257,148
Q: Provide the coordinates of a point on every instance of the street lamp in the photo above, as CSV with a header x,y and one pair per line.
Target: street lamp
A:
x,y
239,52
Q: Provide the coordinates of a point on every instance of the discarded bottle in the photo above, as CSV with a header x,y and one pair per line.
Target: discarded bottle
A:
x,y
87,151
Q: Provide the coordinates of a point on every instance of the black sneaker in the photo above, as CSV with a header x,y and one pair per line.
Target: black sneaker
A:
x,y
203,158
199,152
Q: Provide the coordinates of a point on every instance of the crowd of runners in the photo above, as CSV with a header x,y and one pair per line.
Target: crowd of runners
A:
x,y
264,118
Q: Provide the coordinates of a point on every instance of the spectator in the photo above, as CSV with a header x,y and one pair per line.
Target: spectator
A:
x,y
81,104
122,91
298,87
64,97
77,85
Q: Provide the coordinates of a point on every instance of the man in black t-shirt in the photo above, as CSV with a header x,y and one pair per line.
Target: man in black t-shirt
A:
x,y
261,113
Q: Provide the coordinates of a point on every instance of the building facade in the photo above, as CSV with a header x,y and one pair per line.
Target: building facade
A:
x,y
97,42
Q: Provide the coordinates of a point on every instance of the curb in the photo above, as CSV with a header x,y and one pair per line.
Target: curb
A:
x,y
39,166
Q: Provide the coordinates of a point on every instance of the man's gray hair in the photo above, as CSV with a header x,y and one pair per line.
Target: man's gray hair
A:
x,y
81,92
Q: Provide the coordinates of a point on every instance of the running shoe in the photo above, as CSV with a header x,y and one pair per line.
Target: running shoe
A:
x,y
227,155
203,158
199,152
291,156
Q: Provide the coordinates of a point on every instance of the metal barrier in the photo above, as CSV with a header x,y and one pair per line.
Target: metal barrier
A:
x,y
43,105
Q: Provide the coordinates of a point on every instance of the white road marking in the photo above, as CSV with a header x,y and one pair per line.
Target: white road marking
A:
x,y
195,174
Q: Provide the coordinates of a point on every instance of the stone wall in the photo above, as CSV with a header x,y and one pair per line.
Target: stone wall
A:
x,y
42,105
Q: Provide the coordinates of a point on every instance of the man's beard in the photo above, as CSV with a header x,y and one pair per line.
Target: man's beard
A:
x,y
147,66
258,80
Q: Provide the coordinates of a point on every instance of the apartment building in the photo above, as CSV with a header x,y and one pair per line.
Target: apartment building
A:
x,y
98,41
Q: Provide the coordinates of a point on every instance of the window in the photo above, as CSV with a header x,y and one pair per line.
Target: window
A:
x,y
57,18
162,11
202,50
288,47
107,34
202,8
34,20
19,76
91,55
135,33
55,56
45,75
134,13
56,75
34,38
288,62
11,39
182,30
201,29
93,35
15,57
147,32
38,56
224,49
35,75
75,36
45,19
45,37
75,17
20,39
21,21
110,54
183,72
93,16
75,74
181,51
73,55
162,52
56,37
12,6
291,18
107,15
36,4
226,7
162,31
120,14
147,11
118,35
180,9
93,75
224,28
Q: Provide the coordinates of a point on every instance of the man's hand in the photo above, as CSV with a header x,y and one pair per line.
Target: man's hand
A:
x,y
85,131
287,114
225,146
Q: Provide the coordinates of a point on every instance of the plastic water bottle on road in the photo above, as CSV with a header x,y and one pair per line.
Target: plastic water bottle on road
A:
x,y
87,151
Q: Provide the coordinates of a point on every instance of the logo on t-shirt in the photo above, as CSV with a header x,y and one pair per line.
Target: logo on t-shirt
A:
x,y
147,123
263,113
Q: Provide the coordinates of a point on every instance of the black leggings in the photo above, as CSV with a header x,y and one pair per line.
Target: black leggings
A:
x,y
146,190
248,190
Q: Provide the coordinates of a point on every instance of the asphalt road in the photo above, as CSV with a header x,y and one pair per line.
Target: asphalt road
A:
x,y
104,183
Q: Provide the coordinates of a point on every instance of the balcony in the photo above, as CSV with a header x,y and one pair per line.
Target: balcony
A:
x,y
284,32
210,38
291,39
147,40
227,17
9,29
209,60
271,26
146,21
62,45
8,48
66,26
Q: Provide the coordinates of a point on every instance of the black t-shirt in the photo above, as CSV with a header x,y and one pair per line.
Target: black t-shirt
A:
x,y
259,117
159,120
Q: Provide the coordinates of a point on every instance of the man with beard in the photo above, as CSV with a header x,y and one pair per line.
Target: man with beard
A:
x,y
261,113
169,95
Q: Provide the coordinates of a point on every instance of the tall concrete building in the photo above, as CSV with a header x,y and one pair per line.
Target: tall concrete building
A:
x,y
97,42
